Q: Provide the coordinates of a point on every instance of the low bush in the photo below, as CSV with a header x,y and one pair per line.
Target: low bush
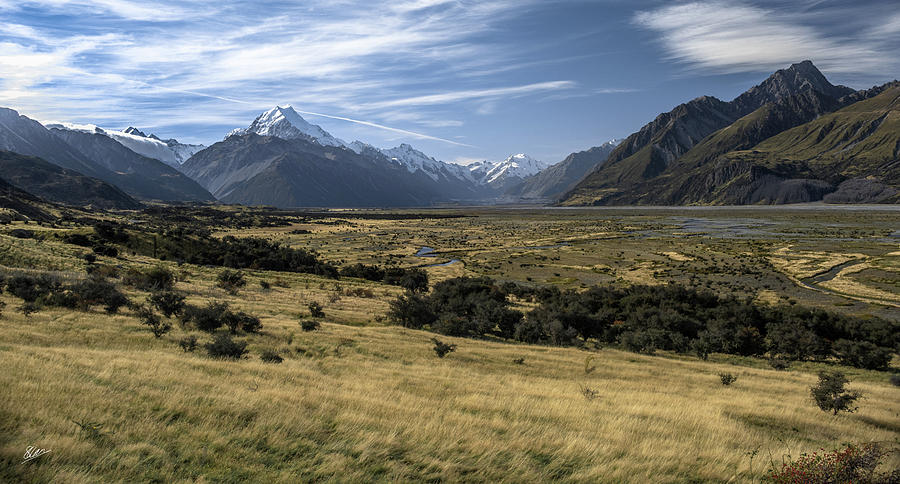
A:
x,y
148,318
215,315
315,310
727,378
188,343
270,356
309,325
231,281
169,303
854,463
442,349
156,279
223,347
779,364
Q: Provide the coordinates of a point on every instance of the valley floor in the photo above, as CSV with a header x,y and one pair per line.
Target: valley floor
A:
x,y
359,400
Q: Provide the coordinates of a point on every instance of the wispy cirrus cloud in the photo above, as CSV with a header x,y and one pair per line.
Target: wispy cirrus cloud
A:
x,y
733,36
356,61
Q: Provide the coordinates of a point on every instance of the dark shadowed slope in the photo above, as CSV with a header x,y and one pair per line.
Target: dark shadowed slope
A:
x,y
143,177
61,185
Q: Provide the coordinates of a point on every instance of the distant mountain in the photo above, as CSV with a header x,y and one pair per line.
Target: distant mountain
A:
x,y
552,182
170,151
138,176
640,168
143,177
252,169
57,184
26,136
501,175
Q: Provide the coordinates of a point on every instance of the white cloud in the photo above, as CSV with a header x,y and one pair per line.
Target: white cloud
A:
x,y
223,58
456,96
733,37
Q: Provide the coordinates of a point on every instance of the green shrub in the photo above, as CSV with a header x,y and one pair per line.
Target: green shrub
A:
x,y
411,311
240,320
231,281
156,279
831,394
224,347
29,288
727,378
157,326
442,349
28,308
188,343
209,318
779,364
270,356
863,354
169,303
309,325
96,291
315,310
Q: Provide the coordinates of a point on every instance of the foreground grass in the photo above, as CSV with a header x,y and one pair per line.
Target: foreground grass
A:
x,y
375,404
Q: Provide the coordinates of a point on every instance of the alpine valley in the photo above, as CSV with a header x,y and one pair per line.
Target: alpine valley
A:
x,y
793,138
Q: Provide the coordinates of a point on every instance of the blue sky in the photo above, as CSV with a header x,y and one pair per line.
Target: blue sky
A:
x,y
460,80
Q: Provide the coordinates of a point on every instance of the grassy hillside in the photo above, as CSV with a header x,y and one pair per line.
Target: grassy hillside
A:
x,y
358,400
375,403
860,140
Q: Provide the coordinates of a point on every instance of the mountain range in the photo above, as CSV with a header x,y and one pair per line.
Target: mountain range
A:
x,y
746,151
795,137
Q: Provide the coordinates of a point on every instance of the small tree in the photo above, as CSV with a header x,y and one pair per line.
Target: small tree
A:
x,y
831,395
156,324
315,310
442,349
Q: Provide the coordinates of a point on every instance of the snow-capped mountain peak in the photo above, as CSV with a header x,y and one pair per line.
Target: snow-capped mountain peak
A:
x,y
169,151
414,159
516,166
285,122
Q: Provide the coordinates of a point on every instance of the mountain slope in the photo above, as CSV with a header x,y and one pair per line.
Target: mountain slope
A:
x,y
848,156
57,184
20,205
138,175
24,135
555,180
253,169
649,152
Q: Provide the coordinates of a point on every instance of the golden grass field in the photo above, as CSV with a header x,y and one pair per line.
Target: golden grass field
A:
x,y
361,401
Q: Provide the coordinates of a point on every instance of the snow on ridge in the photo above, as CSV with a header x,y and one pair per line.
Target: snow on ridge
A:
x,y
170,151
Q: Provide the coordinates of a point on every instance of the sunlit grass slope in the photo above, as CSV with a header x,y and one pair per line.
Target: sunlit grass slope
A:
x,y
374,403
